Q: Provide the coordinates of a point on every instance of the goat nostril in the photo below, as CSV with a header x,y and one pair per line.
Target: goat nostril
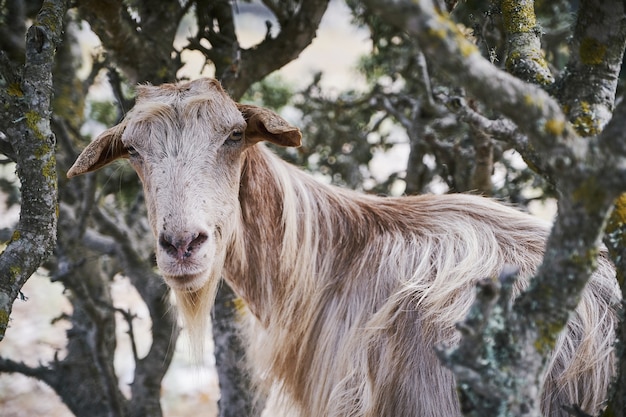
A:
x,y
195,243
166,242
182,247
198,241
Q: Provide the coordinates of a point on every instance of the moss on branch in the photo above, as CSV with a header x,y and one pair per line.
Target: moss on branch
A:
x,y
588,86
27,103
525,58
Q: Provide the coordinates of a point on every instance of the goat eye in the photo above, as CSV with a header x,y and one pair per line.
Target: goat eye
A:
x,y
132,152
235,135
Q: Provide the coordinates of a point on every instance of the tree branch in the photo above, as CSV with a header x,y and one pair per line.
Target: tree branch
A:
x,y
13,30
237,395
587,89
141,49
615,241
150,370
34,144
525,59
224,51
537,115
10,366
501,129
7,149
483,169
296,33
129,318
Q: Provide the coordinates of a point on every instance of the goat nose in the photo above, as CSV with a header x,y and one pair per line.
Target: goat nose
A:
x,y
181,246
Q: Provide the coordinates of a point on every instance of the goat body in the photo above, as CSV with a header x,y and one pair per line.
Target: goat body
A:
x,y
350,293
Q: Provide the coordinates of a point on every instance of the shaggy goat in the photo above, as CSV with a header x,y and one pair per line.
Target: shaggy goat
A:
x,y
350,292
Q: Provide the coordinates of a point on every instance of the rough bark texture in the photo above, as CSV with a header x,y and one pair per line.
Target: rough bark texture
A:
x,y
589,175
237,395
25,100
587,89
238,68
525,59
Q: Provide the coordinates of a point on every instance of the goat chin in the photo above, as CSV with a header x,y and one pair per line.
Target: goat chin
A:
x,y
187,282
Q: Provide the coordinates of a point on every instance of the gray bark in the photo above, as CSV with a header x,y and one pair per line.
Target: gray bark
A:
x,y
237,395
25,99
587,89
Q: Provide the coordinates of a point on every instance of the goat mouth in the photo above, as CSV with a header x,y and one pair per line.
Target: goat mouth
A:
x,y
186,282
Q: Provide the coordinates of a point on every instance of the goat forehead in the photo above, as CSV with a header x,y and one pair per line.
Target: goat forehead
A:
x,y
173,92
211,106
173,119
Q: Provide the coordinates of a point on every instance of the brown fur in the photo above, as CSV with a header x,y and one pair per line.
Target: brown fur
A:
x,y
349,293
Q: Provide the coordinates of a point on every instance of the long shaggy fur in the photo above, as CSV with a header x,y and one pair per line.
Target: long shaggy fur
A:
x,y
352,293
349,293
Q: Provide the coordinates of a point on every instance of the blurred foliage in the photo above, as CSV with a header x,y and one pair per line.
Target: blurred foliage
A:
x,y
104,112
337,142
400,104
403,104
272,91
401,109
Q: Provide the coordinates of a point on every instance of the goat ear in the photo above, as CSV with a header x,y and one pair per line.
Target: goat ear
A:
x,y
264,124
103,150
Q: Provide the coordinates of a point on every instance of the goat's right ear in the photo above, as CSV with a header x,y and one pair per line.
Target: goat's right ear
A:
x,y
264,124
104,149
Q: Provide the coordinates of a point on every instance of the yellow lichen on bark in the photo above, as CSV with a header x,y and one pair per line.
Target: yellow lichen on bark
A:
x,y
15,90
591,194
555,127
518,16
616,231
618,216
466,47
14,271
33,119
525,58
546,337
592,51
585,120
16,236
4,322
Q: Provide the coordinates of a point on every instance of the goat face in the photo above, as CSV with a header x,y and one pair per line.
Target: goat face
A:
x,y
186,142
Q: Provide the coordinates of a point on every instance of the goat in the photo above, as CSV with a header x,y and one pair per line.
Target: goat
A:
x,y
350,293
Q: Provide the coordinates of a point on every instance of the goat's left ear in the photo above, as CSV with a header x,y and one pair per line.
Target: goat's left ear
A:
x,y
264,124
103,150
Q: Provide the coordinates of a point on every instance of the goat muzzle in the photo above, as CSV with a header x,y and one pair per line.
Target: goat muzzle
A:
x,y
182,246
